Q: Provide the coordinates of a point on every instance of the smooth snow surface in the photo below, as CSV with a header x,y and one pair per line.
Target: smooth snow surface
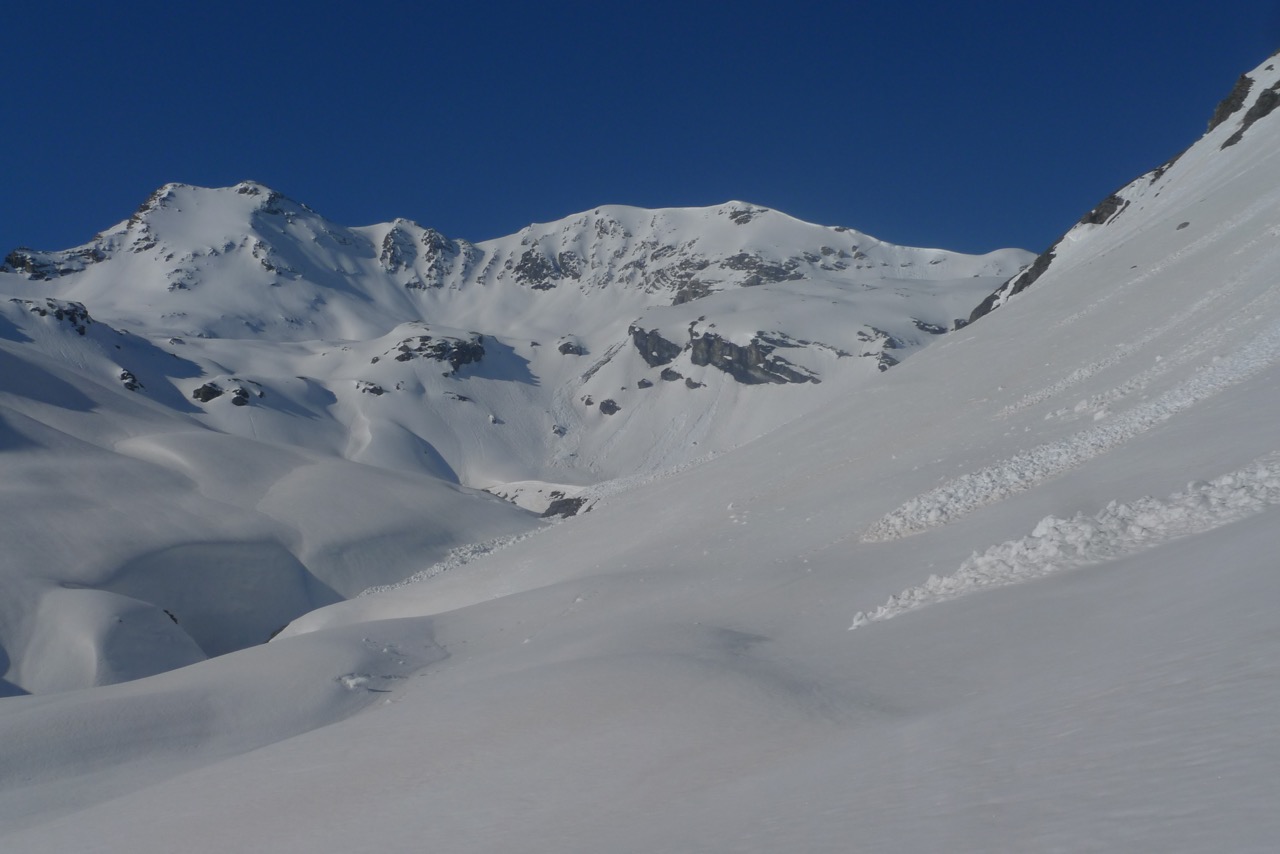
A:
x,y
673,670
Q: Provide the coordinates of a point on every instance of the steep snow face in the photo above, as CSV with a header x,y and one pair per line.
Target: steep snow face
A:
x,y
617,340
1160,197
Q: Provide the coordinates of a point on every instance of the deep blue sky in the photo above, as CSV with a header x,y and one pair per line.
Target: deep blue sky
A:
x,y
963,125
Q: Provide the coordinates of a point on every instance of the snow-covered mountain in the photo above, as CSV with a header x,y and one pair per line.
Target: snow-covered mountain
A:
x,y
613,341
819,641
305,404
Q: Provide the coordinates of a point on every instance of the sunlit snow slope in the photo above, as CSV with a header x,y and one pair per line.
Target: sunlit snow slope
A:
x,y
1019,594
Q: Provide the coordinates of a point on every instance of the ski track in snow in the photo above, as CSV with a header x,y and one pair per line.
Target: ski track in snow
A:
x,y
1024,470
1119,530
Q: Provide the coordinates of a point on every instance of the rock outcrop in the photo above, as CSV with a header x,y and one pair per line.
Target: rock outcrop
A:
x,y
750,364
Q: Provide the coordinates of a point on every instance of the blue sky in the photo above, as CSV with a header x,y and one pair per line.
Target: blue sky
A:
x,y
966,126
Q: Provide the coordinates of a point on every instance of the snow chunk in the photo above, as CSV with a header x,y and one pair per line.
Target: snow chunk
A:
x,y
1024,470
1118,530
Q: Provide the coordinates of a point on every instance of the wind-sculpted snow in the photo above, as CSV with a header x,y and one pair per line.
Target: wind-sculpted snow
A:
x,y
1027,469
1119,530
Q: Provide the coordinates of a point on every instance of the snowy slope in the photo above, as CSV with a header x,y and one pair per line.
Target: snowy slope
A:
x,y
137,539
1088,471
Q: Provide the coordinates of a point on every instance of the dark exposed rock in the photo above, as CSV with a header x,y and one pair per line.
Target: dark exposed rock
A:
x,y
930,328
456,351
690,291
884,359
1233,102
1182,225
439,256
564,508
39,266
609,406
73,313
21,261
429,257
436,243
1107,210
680,276
690,382
888,342
207,392
1268,100
780,339
572,348
240,396
536,270
671,375
762,272
399,250
751,364
1158,173
741,215
570,265
644,383
367,387
129,381
654,349
1018,283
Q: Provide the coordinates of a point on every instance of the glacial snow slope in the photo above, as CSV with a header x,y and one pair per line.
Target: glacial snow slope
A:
x,y
675,671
